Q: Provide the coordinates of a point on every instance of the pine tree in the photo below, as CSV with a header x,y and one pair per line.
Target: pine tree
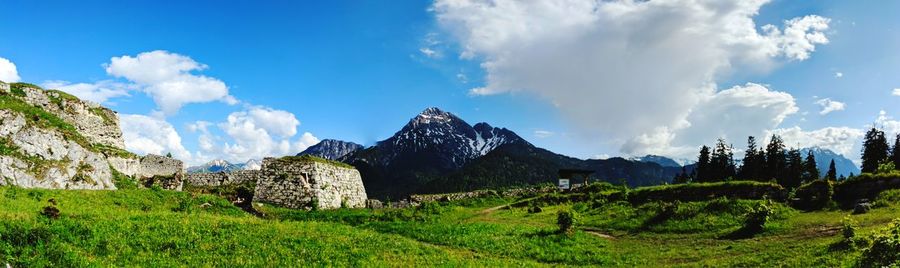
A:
x,y
682,177
750,170
810,170
794,173
703,165
721,162
832,171
875,150
895,152
776,161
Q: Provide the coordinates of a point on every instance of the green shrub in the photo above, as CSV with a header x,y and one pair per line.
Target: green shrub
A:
x,y
887,198
848,229
756,219
122,181
565,220
885,249
814,195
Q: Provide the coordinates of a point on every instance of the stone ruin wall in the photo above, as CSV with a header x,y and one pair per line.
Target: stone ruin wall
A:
x,y
308,184
151,169
295,184
223,178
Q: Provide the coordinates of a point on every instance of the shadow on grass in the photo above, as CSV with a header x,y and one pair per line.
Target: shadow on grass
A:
x,y
742,233
841,245
546,233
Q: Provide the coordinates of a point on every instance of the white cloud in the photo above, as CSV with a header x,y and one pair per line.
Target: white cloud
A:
x,y
829,106
428,52
543,134
622,69
732,114
252,134
462,78
8,72
167,78
148,135
896,92
887,123
98,92
842,140
838,75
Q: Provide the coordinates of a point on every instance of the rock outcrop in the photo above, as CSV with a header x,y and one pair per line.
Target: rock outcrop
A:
x,y
50,139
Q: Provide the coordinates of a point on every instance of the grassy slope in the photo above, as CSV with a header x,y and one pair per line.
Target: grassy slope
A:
x,y
170,229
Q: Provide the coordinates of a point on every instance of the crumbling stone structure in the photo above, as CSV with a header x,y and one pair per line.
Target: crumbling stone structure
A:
x,y
295,182
223,178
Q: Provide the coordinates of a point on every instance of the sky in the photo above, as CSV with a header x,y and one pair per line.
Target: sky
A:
x,y
241,80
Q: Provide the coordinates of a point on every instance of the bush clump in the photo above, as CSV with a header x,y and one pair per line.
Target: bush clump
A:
x,y
756,218
885,249
814,195
848,229
887,198
565,219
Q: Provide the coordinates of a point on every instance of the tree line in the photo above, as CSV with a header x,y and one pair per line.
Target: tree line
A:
x,y
774,162
786,166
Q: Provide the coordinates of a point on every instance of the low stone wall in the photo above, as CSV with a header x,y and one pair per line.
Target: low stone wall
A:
x,y
152,169
447,197
222,178
309,184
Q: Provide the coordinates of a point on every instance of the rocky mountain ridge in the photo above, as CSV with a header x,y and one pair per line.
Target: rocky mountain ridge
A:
x,y
332,149
437,151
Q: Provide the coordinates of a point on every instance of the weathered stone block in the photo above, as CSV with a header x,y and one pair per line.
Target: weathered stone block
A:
x,y
305,184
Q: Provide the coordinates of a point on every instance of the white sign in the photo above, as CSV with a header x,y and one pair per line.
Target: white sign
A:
x,y
563,184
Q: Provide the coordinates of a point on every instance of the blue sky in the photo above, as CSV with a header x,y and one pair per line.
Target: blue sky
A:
x,y
358,70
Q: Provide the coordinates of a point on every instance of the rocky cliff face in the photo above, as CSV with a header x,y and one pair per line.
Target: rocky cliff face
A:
x,y
50,139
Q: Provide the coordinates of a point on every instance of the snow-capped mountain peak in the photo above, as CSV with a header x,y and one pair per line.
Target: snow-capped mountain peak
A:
x,y
442,135
252,164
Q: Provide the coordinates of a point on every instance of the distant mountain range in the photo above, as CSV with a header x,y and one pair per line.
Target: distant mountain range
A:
x,y
661,160
436,151
824,156
331,149
220,165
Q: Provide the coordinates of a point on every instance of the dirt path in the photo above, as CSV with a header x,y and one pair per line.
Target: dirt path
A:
x,y
491,210
598,233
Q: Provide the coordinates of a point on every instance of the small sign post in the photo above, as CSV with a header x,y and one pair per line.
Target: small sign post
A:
x,y
564,184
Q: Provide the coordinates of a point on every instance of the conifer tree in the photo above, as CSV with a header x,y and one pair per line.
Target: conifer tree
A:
x,y
832,171
703,165
750,170
776,162
682,177
810,170
875,150
721,162
793,176
895,152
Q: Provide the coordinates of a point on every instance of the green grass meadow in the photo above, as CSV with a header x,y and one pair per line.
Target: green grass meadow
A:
x,y
160,228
